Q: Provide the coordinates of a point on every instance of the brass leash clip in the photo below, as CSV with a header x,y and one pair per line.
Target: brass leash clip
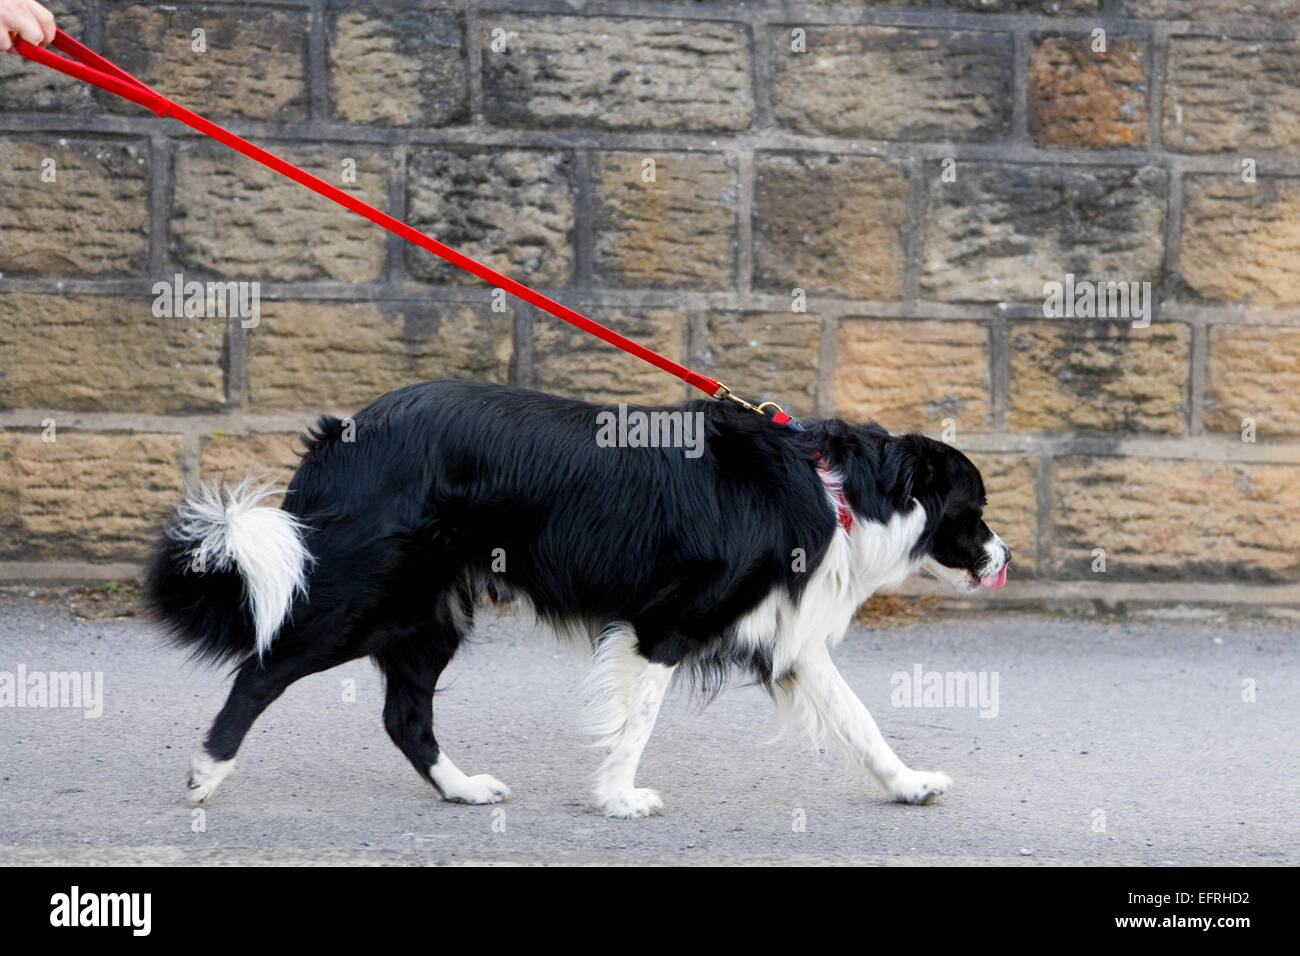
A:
x,y
726,394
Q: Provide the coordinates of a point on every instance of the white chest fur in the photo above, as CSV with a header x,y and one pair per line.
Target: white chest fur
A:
x,y
857,564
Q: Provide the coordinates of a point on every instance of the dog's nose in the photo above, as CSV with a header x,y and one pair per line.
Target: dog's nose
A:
x,y
1006,555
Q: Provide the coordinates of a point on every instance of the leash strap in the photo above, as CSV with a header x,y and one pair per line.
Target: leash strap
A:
x,y
88,66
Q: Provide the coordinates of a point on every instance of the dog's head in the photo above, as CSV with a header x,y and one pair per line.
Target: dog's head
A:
x,y
890,474
958,547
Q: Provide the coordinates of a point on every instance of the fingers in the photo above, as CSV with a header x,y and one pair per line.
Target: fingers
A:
x,y
27,19
25,24
46,21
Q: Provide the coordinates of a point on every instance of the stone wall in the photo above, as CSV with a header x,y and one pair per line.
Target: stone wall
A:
x,y
909,175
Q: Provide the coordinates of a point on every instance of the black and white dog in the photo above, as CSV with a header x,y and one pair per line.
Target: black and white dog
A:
x,y
698,538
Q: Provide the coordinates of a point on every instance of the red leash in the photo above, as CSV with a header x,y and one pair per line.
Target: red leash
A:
x,y
87,65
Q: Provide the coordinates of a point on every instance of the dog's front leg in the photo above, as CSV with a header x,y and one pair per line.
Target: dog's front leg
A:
x,y
816,696
616,791
624,691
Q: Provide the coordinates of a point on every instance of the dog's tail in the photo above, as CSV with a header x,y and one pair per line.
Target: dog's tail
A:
x,y
225,573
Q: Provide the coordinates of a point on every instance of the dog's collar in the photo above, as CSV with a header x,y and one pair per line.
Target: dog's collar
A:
x,y
835,488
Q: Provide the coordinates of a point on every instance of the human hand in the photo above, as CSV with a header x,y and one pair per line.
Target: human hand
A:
x,y
26,19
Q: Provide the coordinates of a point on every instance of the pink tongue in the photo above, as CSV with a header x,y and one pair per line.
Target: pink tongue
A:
x,y
992,581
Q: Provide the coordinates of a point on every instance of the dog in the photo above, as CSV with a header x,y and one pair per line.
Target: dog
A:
x,y
698,538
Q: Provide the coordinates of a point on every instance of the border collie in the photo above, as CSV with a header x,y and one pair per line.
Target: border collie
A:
x,y
747,549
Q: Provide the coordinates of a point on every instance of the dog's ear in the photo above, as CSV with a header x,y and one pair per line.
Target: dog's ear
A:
x,y
921,470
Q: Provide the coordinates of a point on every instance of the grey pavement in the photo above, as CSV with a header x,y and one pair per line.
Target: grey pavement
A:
x,y
1114,743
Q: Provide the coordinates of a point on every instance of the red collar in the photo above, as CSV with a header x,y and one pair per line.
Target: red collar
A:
x,y
843,513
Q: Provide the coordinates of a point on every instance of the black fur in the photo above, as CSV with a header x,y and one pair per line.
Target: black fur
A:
x,y
404,523
205,612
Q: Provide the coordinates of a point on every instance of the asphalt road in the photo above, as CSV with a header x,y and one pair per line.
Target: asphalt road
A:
x,y
1113,743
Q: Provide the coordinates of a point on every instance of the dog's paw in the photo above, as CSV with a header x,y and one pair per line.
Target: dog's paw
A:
x,y
204,774
919,786
632,804
478,789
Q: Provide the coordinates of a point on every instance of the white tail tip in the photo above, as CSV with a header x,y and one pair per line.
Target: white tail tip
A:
x,y
263,543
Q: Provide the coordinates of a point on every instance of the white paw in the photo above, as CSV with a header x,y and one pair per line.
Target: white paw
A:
x,y
480,788
204,774
919,786
631,804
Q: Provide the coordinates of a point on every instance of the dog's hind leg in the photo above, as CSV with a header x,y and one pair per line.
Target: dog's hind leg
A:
x,y
626,691
257,685
411,666
815,696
